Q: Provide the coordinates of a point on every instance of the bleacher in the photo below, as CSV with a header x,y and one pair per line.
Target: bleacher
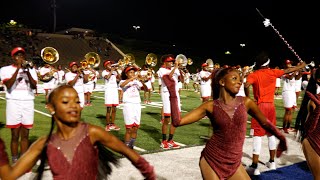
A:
x,y
71,47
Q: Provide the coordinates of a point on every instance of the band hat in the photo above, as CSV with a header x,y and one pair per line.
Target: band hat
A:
x,y
73,63
288,61
130,68
169,59
16,50
204,65
266,63
106,63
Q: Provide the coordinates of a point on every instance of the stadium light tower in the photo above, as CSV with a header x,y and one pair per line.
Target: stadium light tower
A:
x,y
54,6
136,27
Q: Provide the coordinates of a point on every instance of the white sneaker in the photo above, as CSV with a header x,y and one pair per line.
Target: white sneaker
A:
x,y
271,165
252,171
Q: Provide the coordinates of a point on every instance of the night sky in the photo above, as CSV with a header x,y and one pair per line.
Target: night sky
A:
x,y
201,28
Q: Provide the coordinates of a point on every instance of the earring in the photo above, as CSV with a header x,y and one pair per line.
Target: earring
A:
x,y
53,112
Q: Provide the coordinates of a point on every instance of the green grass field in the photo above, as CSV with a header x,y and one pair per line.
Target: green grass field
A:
x,y
149,134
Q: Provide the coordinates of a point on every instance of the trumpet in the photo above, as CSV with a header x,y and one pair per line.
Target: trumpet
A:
x,y
120,63
128,59
25,64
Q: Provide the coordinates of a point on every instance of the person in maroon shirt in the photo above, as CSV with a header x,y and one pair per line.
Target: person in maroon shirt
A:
x,y
221,157
74,150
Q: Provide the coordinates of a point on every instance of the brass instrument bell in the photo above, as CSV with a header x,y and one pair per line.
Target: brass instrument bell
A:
x,y
182,59
92,59
189,62
210,63
49,55
129,59
151,59
84,64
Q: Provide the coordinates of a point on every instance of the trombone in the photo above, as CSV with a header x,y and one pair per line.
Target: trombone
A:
x,y
128,59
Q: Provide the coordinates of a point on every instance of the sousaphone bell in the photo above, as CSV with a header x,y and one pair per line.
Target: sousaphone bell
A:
x,y
49,55
92,59
210,63
151,59
182,59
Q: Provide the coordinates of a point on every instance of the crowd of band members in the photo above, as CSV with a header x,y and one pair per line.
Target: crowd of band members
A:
x,y
84,80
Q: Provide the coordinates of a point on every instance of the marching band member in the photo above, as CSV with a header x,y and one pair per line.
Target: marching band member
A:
x,y
131,85
111,94
187,79
196,81
76,78
153,79
88,86
288,97
298,86
47,77
174,73
243,75
205,82
20,81
60,75
146,74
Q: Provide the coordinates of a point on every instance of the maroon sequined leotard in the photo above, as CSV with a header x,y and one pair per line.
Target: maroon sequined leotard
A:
x,y
75,158
223,151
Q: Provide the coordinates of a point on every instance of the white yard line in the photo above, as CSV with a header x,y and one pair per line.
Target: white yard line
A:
x,y
152,104
180,144
139,149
